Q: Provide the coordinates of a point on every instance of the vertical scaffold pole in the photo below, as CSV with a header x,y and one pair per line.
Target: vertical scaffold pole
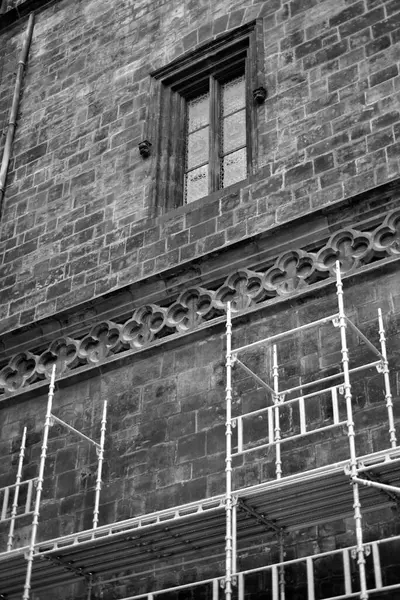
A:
x,y
234,536
90,587
351,436
278,459
385,372
281,568
14,509
277,428
228,458
39,488
100,454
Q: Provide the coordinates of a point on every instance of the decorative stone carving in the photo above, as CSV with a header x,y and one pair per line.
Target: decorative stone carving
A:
x,y
387,237
291,271
193,307
242,289
20,371
144,325
349,247
260,95
144,148
103,340
63,352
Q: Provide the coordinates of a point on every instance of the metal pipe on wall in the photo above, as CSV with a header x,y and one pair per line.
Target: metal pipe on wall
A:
x,y
14,108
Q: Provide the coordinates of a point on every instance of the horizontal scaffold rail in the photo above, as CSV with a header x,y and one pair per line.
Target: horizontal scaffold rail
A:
x,y
329,378
283,334
378,459
120,527
27,505
378,485
271,411
383,458
334,319
309,384
309,562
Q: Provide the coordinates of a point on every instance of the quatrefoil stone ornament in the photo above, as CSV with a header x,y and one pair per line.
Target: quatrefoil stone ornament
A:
x,y
292,271
63,352
145,324
191,309
20,371
103,339
242,289
387,237
349,247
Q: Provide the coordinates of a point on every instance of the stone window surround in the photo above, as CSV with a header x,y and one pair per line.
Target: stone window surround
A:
x,y
240,49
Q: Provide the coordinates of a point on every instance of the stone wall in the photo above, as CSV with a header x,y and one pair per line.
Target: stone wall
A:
x,y
84,241
165,442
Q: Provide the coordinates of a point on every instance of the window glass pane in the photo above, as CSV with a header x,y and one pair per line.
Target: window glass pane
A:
x,y
198,112
234,131
196,184
197,148
234,167
233,95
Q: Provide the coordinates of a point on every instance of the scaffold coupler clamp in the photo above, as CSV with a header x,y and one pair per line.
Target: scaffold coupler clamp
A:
x,y
347,472
222,582
366,550
380,367
336,322
234,500
233,359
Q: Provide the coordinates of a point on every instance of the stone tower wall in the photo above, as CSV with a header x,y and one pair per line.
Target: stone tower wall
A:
x,y
128,298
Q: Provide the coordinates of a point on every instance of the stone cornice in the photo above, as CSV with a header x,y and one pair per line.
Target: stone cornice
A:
x,y
206,270
369,245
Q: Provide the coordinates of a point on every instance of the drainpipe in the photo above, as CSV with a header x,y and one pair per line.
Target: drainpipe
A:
x,y
14,108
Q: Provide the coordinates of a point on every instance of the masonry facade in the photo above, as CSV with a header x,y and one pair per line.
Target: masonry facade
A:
x,y
107,272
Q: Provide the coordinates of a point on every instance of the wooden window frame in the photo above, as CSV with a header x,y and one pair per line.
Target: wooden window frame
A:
x,y
236,52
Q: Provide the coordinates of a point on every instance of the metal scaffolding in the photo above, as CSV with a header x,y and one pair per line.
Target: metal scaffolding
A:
x,y
226,526
50,420
353,469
